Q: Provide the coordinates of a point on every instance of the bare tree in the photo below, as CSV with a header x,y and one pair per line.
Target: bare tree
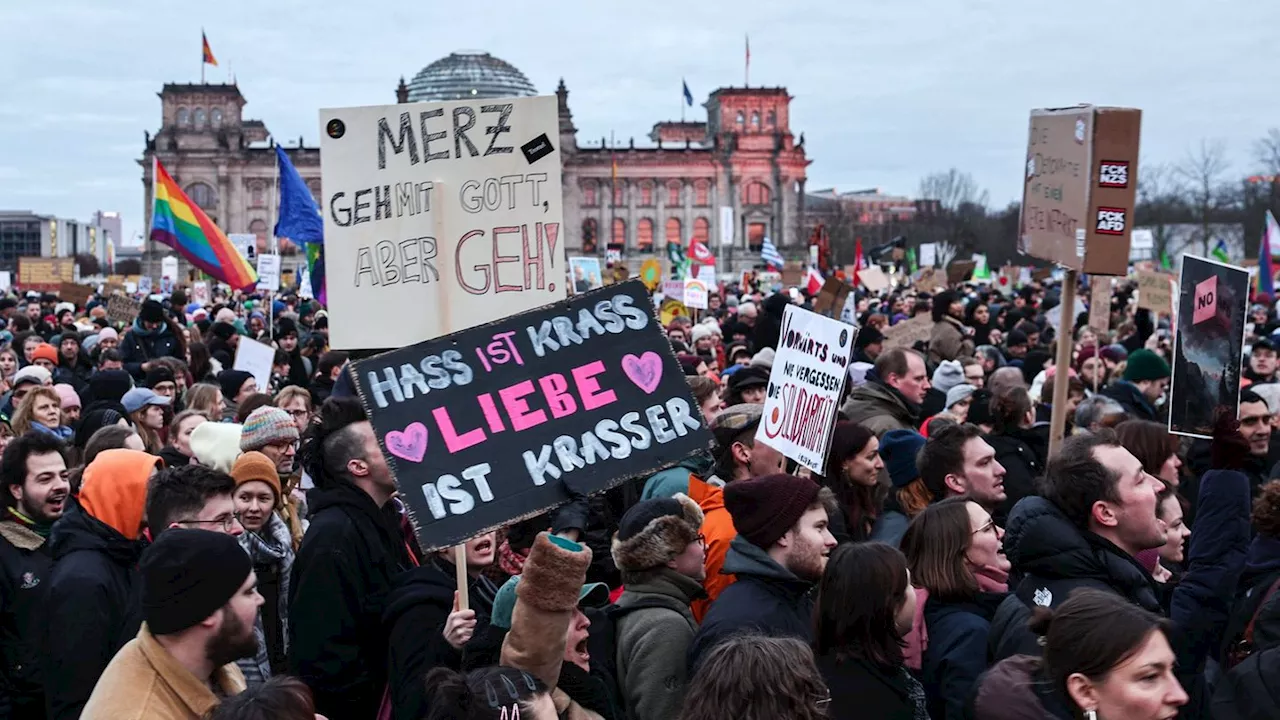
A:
x,y
953,190
1202,170
1161,202
1267,152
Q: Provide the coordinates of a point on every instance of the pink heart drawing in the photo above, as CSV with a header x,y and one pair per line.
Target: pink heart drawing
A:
x,y
411,444
645,371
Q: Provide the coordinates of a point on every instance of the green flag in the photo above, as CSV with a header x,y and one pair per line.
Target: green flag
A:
x,y
1220,252
980,270
911,259
1165,263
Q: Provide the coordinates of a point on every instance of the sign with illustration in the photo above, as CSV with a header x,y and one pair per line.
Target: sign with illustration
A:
x,y
1207,350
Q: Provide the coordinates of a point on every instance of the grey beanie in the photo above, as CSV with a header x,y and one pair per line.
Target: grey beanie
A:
x,y
958,393
949,374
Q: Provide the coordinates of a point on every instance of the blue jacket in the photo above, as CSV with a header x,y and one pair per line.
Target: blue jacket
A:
x,y
766,597
957,653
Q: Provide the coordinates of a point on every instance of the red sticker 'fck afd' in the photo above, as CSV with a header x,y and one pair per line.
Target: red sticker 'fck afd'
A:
x,y
1111,221
1113,174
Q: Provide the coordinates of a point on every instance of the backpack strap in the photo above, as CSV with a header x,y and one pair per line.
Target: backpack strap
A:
x,y
1248,629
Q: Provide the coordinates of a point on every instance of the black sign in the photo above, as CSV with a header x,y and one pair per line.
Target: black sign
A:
x,y
485,426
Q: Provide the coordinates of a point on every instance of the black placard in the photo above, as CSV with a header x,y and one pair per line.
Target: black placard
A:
x,y
485,426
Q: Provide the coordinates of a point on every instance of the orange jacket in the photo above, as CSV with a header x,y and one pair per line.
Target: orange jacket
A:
x,y
717,527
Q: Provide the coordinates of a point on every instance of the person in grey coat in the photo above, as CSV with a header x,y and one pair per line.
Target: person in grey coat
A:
x,y
661,553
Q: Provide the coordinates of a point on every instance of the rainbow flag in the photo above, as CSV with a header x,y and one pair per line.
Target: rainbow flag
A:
x,y
183,226
1266,274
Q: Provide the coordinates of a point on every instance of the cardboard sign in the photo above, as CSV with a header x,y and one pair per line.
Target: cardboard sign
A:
x,y
695,293
873,279
1080,185
255,358
448,214
586,274
488,425
928,255
122,309
1100,302
200,290
959,271
929,280
831,296
1207,351
908,332
269,272
45,274
74,293
1154,293
805,384
793,273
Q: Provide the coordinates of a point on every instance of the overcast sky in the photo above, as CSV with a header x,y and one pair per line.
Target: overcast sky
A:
x,y
885,92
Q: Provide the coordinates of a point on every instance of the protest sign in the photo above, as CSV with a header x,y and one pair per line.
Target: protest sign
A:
x,y
793,273
673,290
269,272
1100,302
695,293
75,293
122,309
200,292
805,384
1154,293
959,271
255,358
908,332
672,308
6,279
45,274
494,423
873,279
928,255
446,214
169,268
1207,350
651,273
831,296
929,280
144,285
586,274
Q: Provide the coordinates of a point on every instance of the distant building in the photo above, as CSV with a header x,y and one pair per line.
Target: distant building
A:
x,y
110,223
24,233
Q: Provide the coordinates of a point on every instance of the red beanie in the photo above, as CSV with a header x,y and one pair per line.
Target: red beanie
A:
x,y
765,508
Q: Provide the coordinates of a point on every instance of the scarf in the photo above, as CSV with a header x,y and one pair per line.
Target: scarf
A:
x,y
511,562
40,529
62,432
991,579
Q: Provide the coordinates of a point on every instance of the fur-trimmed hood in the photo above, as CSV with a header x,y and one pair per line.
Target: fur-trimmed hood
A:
x,y
661,539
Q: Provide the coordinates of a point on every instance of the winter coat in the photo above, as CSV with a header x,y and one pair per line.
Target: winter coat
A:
x,y
889,527
546,600
271,550
417,608
139,345
860,689
95,606
1262,568
1135,404
1016,689
145,682
1250,690
349,558
25,567
653,644
948,341
666,483
880,409
173,457
718,529
321,389
1016,451
766,597
957,652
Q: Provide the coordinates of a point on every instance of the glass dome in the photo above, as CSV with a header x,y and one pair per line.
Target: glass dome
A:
x,y
468,74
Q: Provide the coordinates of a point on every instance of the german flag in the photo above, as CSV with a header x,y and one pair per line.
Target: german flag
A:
x,y
208,52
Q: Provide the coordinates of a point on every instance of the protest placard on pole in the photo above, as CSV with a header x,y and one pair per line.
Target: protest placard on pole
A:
x,y
255,358
1100,302
245,243
695,293
447,215
1207,349
805,383
122,309
831,296
75,293
959,271
873,279
586,274
490,424
928,255
200,292
144,285
269,272
1154,292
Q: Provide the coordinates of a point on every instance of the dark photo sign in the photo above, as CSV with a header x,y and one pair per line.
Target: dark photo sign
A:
x,y
487,425
1213,303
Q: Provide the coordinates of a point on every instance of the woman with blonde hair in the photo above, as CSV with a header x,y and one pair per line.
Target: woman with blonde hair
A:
x,y
41,411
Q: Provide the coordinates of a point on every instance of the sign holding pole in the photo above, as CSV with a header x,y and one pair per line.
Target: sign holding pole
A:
x,y
1207,350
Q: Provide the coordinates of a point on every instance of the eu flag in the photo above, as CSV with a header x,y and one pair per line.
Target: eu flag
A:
x,y
688,96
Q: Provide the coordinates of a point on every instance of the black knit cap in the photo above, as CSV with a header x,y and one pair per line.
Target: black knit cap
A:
x,y
151,311
231,381
868,335
642,513
223,330
158,374
187,575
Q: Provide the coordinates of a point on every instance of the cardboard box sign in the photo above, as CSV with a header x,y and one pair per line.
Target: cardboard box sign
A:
x,y
488,425
1081,178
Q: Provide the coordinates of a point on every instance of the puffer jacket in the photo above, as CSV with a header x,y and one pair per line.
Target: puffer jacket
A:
x,y
956,655
880,408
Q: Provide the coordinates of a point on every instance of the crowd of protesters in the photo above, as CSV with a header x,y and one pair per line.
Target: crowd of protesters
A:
x,y
179,543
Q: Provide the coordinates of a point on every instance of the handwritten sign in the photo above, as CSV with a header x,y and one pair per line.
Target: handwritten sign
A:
x,y
831,296
1100,302
489,424
200,292
928,255
1154,292
122,309
959,271
805,384
269,272
908,332
695,293
1206,300
75,293
448,213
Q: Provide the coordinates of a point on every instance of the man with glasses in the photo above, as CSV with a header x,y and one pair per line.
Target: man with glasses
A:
x,y
272,432
192,496
661,552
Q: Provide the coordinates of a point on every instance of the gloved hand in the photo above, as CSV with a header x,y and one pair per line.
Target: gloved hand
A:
x,y
570,520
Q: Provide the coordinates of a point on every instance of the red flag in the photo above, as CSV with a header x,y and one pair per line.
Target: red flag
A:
x,y
814,281
857,260
700,253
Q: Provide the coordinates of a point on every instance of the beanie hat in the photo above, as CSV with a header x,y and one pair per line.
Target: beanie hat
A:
x,y
1016,337
253,465
32,374
187,575
1086,353
67,395
689,364
231,381
45,351
700,332
1145,365
151,311
868,335
216,445
223,330
158,374
763,359
266,425
654,532
765,508
898,450
1114,353
285,327
958,393
949,374
108,334
109,385
980,408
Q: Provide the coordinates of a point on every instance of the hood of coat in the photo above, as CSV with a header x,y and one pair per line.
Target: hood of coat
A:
x,y
1041,541
1128,394
1015,689
78,530
1263,558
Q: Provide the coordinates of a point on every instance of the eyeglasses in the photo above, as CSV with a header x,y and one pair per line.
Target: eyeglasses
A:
x,y
702,539
227,522
990,526
297,414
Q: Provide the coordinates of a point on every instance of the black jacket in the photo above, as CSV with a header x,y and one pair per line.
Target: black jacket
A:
x,y
765,597
1135,404
25,565
1021,455
348,560
321,389
1250,690
417,609
95,606
860,689
138,346
957,652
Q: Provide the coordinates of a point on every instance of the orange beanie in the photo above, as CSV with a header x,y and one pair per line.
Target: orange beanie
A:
x,y
115,488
